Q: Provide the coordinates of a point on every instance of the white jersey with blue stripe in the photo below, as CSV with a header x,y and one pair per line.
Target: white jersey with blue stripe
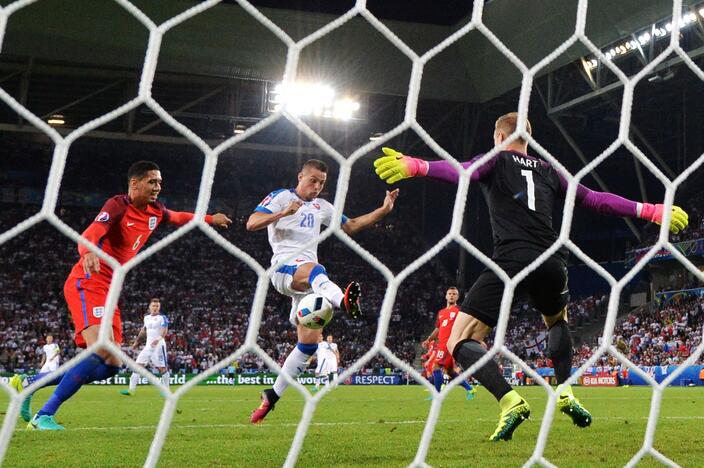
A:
x,y
326,352
289,234
154,325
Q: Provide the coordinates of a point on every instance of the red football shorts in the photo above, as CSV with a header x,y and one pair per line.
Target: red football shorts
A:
x,y
86,302
443,358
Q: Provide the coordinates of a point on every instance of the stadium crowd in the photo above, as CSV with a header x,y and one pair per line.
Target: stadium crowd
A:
x,y
667,334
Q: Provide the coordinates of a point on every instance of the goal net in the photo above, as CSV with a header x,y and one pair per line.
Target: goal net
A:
x,y
409,123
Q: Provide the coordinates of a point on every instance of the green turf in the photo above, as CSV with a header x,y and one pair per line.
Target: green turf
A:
x,y
354,426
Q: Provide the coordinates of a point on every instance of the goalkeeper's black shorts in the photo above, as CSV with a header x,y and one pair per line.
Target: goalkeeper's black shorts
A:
x,y
546,286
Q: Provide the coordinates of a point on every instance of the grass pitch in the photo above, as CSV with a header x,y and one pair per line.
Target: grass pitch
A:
x,y
353,426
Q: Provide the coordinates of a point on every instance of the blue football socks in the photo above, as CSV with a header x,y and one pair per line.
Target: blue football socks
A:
x,y
90,369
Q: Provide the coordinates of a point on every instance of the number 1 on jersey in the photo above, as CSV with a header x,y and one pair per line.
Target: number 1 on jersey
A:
x,y
530,188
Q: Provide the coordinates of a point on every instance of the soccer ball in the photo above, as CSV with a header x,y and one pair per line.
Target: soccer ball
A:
x,y
314,311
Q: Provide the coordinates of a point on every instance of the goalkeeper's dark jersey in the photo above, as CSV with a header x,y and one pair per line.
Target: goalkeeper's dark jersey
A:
x,y
521,192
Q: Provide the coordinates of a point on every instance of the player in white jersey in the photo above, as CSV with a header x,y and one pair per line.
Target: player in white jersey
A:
x,y
293,218
328,357
50,355
156,325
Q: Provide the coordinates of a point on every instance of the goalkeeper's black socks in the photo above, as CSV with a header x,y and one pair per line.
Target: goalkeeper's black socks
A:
x,y
560,350
466,353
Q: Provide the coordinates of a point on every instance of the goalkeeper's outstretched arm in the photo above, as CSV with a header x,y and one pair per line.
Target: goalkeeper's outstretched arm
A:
x,y
394,166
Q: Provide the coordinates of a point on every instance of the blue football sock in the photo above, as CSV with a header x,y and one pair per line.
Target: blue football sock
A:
x,y
33,378
437,379
71,383
464,383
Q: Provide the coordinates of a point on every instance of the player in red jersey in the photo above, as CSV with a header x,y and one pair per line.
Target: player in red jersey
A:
x,y
443,328
428,359
121,229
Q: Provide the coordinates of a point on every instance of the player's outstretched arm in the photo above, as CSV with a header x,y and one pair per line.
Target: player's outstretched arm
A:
x,y
354,225
612,204
259,219
179,218
395,166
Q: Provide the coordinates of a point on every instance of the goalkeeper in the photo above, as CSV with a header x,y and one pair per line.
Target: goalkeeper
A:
x,y
521,192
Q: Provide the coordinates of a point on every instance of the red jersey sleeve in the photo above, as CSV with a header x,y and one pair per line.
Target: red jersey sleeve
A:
x,y
438,320
109,216
179,218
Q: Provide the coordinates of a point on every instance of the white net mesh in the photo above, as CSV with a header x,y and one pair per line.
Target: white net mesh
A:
x,y
156,33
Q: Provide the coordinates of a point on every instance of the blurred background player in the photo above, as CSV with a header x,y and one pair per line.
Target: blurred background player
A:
x,y
156,325
442,360
328,357
51,354
521,192
293,218
428,359
121,229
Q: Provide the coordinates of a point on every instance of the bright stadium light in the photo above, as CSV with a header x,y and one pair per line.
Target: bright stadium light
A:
x,y
239,128
311,99
375,136
643,38
344,109
56,119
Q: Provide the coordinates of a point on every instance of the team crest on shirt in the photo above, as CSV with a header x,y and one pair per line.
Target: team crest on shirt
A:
x,y
98,312
152,223
316,205
103,217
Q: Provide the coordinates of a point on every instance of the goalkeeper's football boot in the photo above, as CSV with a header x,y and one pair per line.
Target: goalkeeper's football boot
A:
x,y
45,422
26,408
126,392
353,293
516,411
571,406
269,399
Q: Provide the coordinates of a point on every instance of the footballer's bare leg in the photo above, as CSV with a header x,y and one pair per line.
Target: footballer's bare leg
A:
x,y
466,343
314,276
467,327
90,335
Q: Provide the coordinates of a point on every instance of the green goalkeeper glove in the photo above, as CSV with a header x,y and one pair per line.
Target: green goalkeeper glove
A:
x,y
394,166
654,213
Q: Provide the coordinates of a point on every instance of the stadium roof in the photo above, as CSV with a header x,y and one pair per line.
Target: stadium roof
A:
x,y
226,41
